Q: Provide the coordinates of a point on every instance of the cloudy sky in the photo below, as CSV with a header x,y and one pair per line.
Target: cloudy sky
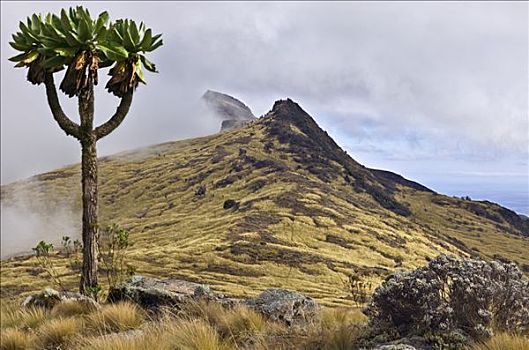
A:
x,y
435,91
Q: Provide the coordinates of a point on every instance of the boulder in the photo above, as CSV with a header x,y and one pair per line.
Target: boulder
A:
x,y
394,347
49,297
286,306
152,293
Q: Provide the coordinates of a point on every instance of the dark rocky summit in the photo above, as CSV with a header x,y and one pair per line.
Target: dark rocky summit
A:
x,y
234,113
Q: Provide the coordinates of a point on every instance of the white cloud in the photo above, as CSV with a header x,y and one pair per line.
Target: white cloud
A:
x,y
409,79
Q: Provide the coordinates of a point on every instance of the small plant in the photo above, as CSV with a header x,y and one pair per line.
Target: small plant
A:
x,y
94,292
113,245
360,290
72,250
43,252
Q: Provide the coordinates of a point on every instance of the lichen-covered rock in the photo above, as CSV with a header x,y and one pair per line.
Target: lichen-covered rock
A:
x,y
453,298
49,297
152,293
394,347
286,306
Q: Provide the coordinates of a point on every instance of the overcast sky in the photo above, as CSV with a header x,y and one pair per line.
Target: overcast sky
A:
x,y
434,91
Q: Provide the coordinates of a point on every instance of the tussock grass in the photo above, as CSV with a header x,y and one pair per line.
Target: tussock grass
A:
x,y
58,332
72,308
340,329
241,323
236,324
14,339
193,335
503,341
151,340
116,318
29,318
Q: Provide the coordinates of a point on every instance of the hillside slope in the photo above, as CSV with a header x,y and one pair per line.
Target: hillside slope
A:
x,y
303,213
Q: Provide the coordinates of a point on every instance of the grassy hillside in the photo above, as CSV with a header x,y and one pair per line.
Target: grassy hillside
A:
x,y
305,213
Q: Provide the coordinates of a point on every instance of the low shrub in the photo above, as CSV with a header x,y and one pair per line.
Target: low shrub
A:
x,y
453,298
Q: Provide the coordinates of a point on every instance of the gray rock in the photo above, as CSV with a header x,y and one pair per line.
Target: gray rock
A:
x,y
394,347
233,113
49,297
227,107
286,306
152,293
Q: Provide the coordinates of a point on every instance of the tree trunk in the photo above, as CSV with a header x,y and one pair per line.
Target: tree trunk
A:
x,y
90,226
88,140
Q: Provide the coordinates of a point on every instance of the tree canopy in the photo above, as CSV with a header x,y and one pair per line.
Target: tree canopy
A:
x,y
73,39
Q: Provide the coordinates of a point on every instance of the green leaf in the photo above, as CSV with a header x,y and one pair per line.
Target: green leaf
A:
x,y
147,40
155,46
114,53
135,36
56,23
101,22
20,47
35,23
65,21
66,51
151,67
83,31
139,73
129,44
26,57
53,62
18,58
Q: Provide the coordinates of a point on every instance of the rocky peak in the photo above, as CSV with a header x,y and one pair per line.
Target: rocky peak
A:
x,y
233,113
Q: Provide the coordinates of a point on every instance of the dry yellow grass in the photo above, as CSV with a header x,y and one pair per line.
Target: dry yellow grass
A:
x,y
57,333
116,318
14,339
72,308
28,318
504,341
296,231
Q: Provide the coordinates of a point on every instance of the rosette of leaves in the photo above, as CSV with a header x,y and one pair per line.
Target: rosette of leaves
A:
x,y
127,73
82,44
27,41
72,39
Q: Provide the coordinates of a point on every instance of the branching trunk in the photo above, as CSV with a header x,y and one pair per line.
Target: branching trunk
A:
x,y
88,136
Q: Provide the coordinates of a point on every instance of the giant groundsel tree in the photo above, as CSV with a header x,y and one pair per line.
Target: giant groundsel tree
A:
x,y
83,45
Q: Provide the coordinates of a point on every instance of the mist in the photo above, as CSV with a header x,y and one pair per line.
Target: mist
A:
x,y
25,223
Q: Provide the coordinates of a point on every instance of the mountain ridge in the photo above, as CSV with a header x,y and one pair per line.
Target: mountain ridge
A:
x,y
274,203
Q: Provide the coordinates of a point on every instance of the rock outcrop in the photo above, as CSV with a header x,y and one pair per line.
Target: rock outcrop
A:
x,y
276,304
49,297
152,293
286,306
233,113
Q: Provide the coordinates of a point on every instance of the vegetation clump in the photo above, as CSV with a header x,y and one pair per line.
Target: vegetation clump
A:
x,y
452,299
